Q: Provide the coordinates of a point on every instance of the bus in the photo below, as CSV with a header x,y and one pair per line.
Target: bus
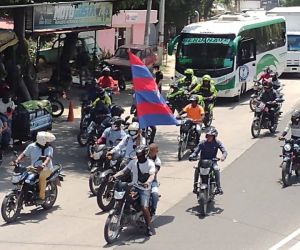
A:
x,y
233,49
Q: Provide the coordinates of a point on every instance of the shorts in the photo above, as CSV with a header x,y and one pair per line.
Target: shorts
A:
x,y
144,196
154,187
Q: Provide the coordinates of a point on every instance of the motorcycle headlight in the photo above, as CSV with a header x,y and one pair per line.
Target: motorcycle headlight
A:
x,y
287,147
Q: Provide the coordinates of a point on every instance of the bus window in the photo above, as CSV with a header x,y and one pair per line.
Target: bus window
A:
x,y
247,51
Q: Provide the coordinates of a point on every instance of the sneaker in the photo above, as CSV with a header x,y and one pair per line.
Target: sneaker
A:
x,y
149,231
219,191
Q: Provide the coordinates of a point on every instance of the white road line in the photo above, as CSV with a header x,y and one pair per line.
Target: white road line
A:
x,y
286,240
295,247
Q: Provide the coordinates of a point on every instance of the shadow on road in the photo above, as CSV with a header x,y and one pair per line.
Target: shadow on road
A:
x,y
212,210
34,216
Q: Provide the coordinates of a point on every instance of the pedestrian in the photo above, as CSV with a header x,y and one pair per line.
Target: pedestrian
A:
x,y
158,76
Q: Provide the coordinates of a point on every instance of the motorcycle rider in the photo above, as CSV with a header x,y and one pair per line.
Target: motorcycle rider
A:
x,y
269,96
208,150
142,171
112,135
294,126
102,96
106,81
194,112
266,75
153,151
129,142
208,90
35,150
189,80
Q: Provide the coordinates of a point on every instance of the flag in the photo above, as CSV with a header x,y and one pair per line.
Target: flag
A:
x,y
151,107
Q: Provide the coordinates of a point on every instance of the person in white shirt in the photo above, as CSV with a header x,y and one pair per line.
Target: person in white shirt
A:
x,y
143,172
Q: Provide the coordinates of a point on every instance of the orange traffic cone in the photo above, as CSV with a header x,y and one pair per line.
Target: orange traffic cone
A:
x,y
71,112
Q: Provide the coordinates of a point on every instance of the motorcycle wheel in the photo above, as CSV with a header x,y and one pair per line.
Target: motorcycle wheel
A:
x,y
57,108
82,138
112,227
51,195
273,128
202,202
94,182
122,83
252,105
208,120
105,199
285,174
181,149
255,129
9,208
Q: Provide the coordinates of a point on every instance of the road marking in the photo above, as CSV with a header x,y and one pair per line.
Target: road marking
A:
x,y
295,247
286,240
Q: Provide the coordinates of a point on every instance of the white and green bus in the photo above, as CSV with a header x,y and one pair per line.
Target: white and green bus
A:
x,y
234,50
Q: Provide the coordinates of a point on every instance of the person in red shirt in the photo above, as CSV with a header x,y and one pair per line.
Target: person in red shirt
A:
x,y
106,81
266,75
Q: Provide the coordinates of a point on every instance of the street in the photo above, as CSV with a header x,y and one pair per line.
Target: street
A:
x,y
255,212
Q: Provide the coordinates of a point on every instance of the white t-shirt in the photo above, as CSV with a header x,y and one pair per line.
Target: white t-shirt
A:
x,y
34,152
146,167
4,106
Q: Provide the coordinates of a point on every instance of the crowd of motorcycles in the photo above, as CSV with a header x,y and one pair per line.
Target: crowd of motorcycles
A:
x,y
114,197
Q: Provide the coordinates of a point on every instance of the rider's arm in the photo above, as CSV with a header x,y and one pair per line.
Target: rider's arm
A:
x,y
196,88
103,137
213,90
20,157
198,149
122,144
25,153
122,172
222,149
151,172
286,130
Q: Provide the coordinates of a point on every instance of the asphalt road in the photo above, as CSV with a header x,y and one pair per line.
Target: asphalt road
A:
x,y
254,213
75,221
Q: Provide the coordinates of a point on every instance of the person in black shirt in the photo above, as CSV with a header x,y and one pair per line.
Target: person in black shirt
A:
x,y
208,150
158,76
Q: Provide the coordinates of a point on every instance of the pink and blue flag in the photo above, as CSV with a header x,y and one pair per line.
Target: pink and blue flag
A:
x,y
151,107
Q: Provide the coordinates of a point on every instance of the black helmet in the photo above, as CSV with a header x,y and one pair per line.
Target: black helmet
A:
x,y
142,150
193,98
212,131
117,121
100,92
295,117
117,110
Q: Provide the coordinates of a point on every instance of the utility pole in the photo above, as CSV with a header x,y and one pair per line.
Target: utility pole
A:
x,y
161,30
147,25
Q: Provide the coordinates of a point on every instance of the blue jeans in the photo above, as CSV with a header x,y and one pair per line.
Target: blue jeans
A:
x,y
154,194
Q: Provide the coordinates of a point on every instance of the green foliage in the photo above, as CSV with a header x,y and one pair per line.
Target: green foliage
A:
x,y
292,3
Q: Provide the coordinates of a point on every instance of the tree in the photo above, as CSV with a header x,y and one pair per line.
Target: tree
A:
x,y
292,3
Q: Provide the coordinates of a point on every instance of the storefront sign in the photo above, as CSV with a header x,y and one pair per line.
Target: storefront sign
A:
x,y
66,16
131,17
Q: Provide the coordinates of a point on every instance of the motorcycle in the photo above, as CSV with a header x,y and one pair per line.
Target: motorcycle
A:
x,y
52,96
206,187
177,98
26,191
290,161
126,211
262,117
258,88
187,137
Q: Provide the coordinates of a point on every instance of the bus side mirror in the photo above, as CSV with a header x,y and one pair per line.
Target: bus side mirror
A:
x,y
172,44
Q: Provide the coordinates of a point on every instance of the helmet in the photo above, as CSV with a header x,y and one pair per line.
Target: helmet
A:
x,y
106,69
206,78
193,98
295,118
133,129
212,131
142,150
189,72
117,110
43,137
100,92
268,70
116,122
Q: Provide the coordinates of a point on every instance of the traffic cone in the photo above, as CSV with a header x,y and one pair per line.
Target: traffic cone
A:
x,y
71,112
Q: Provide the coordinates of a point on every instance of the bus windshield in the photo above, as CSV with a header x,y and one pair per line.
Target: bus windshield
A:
x,y
211,54
293,42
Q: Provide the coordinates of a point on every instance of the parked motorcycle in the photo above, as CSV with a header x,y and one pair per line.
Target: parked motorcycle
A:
x,y
52,96
262,117
26,191
290,161
206,187
126,211
187,137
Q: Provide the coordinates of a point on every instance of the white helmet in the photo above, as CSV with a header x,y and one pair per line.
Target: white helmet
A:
x,y
133,129
43,137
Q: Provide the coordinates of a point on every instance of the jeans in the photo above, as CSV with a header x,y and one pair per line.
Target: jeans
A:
x,y
216,170
154,194
152,135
